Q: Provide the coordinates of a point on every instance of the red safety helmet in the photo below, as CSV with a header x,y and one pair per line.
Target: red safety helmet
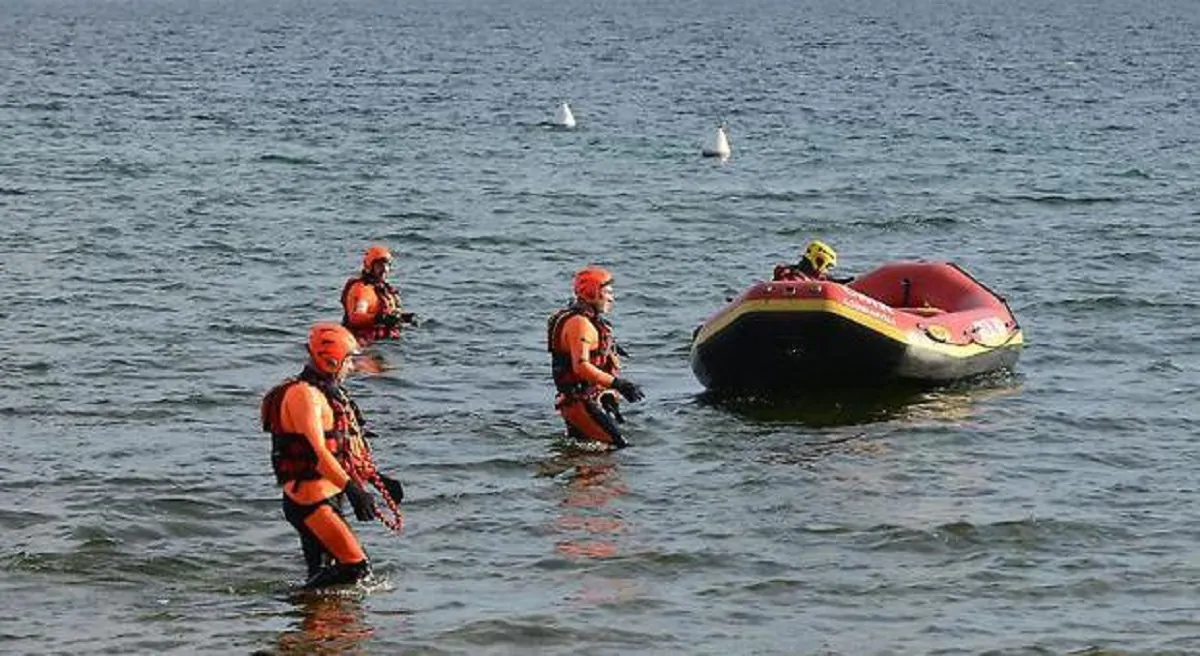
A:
x,y
329,345
374,254
589,281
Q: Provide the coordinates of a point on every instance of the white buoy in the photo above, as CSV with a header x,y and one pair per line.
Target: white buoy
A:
x,y
719,146
563,116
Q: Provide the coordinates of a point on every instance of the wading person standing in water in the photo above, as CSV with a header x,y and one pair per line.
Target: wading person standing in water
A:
x,y
371,304
319,452
585,364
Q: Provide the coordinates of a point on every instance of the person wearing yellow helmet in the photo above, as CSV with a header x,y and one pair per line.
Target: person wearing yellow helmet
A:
x,y
816,262
585,362
370,304
319,452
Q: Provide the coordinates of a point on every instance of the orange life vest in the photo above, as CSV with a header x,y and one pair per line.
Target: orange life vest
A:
x,y
389,298
292,457
604,356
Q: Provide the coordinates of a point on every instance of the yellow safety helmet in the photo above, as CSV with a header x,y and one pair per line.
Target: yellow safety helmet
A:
x,y
820,256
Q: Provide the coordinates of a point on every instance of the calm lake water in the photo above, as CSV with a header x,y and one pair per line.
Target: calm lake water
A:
x,y
184,187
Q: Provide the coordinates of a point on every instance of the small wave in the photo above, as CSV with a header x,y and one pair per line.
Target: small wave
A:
x,y
419,215
20,519
1162,365
51,106
161,117
1116,302
287,159
1134,173
215,246
128,306
125,93
901,220
784,196
10,191
495,242
258,330
223,121
558,199
496,464
1030,534
1048,199
536,633
197,400
811,452
103,414
127,169
183,508
98,559
773,586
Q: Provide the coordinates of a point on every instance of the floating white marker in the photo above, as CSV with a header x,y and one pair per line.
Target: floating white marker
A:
x,y
564,117
719,146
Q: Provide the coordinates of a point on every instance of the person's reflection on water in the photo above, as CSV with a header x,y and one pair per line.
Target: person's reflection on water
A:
x,y
590,524
588,528
329,624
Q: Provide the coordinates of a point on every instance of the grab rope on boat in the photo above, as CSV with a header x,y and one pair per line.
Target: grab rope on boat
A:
x,y
1012,334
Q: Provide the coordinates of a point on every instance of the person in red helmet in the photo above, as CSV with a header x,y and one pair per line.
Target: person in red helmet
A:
x,y
319,452
585,362
370,304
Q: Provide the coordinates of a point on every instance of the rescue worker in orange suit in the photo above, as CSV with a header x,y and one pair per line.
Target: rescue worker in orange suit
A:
x,y
585,362
815,264
370,304
320,453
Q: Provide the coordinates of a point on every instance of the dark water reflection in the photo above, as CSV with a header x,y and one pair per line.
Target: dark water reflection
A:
x,y
825,406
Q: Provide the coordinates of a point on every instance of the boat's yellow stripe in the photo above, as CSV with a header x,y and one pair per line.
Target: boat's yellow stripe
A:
x,y
820,305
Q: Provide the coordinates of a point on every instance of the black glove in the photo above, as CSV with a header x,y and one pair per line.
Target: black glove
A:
x,y
609,403
391,320
409,318
394,489
360,500
621,351
628,389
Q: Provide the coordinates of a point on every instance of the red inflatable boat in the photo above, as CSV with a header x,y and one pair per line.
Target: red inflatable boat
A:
x,y
920,321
